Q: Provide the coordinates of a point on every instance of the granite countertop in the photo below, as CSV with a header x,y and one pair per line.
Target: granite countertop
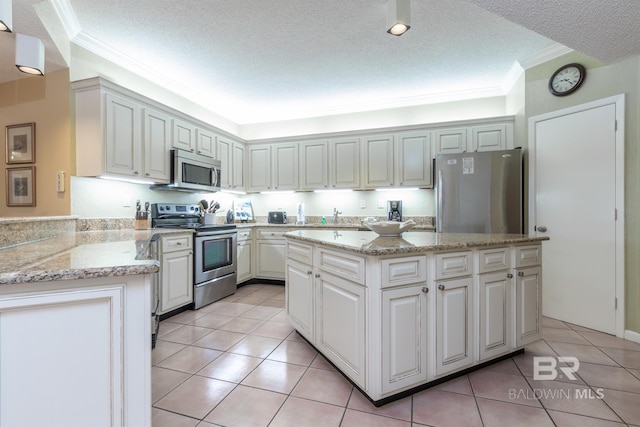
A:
x,y
80,255
328,226
370,243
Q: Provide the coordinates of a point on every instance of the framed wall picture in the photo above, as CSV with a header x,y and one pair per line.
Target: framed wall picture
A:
x,y
21,186
21,143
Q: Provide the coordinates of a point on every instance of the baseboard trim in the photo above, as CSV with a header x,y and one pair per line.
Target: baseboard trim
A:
x,y
632,336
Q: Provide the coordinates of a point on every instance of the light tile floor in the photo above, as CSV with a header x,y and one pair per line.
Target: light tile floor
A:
x,y
238,362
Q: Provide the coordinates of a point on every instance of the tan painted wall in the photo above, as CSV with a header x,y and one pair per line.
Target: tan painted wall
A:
x,y
45,101
601,82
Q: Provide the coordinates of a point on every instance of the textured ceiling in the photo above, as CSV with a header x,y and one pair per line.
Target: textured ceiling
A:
x,y
265,60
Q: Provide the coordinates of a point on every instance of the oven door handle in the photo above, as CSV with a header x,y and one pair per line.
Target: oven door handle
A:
x,y
215,234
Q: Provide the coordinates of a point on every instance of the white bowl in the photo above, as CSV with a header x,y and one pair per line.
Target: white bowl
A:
x,y
389,228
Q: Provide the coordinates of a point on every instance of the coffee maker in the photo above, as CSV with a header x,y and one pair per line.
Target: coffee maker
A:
x,y
394,210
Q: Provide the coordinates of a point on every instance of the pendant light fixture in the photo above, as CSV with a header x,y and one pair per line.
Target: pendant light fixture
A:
x,y
398,16
6,19
29,54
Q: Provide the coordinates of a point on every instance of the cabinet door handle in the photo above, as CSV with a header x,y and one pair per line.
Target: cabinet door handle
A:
x,y
179,243
509,276
441,287
425,290
318,275
309,272
520,273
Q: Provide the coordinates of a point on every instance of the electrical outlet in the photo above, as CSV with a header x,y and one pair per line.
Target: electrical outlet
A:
x,y
126,200
382,204
363,203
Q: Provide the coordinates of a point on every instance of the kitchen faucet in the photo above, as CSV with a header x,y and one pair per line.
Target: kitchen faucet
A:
x,y
336,212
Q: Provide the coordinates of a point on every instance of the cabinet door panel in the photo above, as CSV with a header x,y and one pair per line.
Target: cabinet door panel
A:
x,y
314,161
206,143
496,317
345,163
378,161
451,141
285,167
300,300
453,327
157,143
528,304
414,160
184,135
271,259
341,325
237,166
123,136
177,280
404,338
488,138
244,270
260,164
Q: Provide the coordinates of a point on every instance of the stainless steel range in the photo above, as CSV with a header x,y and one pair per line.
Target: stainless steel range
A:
x,y
215,250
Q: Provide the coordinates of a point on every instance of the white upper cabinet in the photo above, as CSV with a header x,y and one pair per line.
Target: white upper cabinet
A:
x,y
314,165
489,138
414,159
449,141
123,139
184,135
285,167
205,143
157,143
377,153
260,168
231,156
344,163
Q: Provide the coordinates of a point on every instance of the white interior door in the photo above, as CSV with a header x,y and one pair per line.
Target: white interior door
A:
x,y
574,195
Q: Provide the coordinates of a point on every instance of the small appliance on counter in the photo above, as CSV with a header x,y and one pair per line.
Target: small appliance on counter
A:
x,y
277,217
394,210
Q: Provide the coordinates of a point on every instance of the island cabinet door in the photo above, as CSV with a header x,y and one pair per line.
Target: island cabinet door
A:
x,y
340,329
63,354
495,314
404,337
528,305
453,324
300,298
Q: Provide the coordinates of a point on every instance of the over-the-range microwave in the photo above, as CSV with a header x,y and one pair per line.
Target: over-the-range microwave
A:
x,y
192,172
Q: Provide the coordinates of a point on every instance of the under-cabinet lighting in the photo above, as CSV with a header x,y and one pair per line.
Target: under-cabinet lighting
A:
x,y
129,180
233,191
277,192
398,189
345,190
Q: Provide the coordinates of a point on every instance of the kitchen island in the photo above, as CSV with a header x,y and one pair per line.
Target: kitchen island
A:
x,y
75,330
397,314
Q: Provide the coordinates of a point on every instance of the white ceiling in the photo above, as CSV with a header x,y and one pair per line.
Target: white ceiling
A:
x,y
254,61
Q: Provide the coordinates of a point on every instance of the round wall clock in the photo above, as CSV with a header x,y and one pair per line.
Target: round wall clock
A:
x,y
567,79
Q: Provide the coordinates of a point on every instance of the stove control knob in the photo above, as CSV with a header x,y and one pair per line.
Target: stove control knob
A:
x,y
160,208
167,207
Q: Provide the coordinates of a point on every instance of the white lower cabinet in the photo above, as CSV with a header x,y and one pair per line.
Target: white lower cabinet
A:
x,y
271,252
340,324
454,339
495,314
300,298
404,337
244,264
528,305
79,351
394,323
176,272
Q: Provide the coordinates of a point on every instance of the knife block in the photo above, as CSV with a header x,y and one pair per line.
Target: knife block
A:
x,y
142,224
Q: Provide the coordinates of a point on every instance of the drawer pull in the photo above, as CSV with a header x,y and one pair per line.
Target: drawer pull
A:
x,y
425,290
441,287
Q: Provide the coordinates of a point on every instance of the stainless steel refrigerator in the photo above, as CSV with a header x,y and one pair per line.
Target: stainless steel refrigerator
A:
x,y
479,192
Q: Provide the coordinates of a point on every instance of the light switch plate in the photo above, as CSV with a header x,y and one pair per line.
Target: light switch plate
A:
x,y
60,180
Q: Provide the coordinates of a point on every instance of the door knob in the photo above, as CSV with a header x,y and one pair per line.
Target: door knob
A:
x,y
541,228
